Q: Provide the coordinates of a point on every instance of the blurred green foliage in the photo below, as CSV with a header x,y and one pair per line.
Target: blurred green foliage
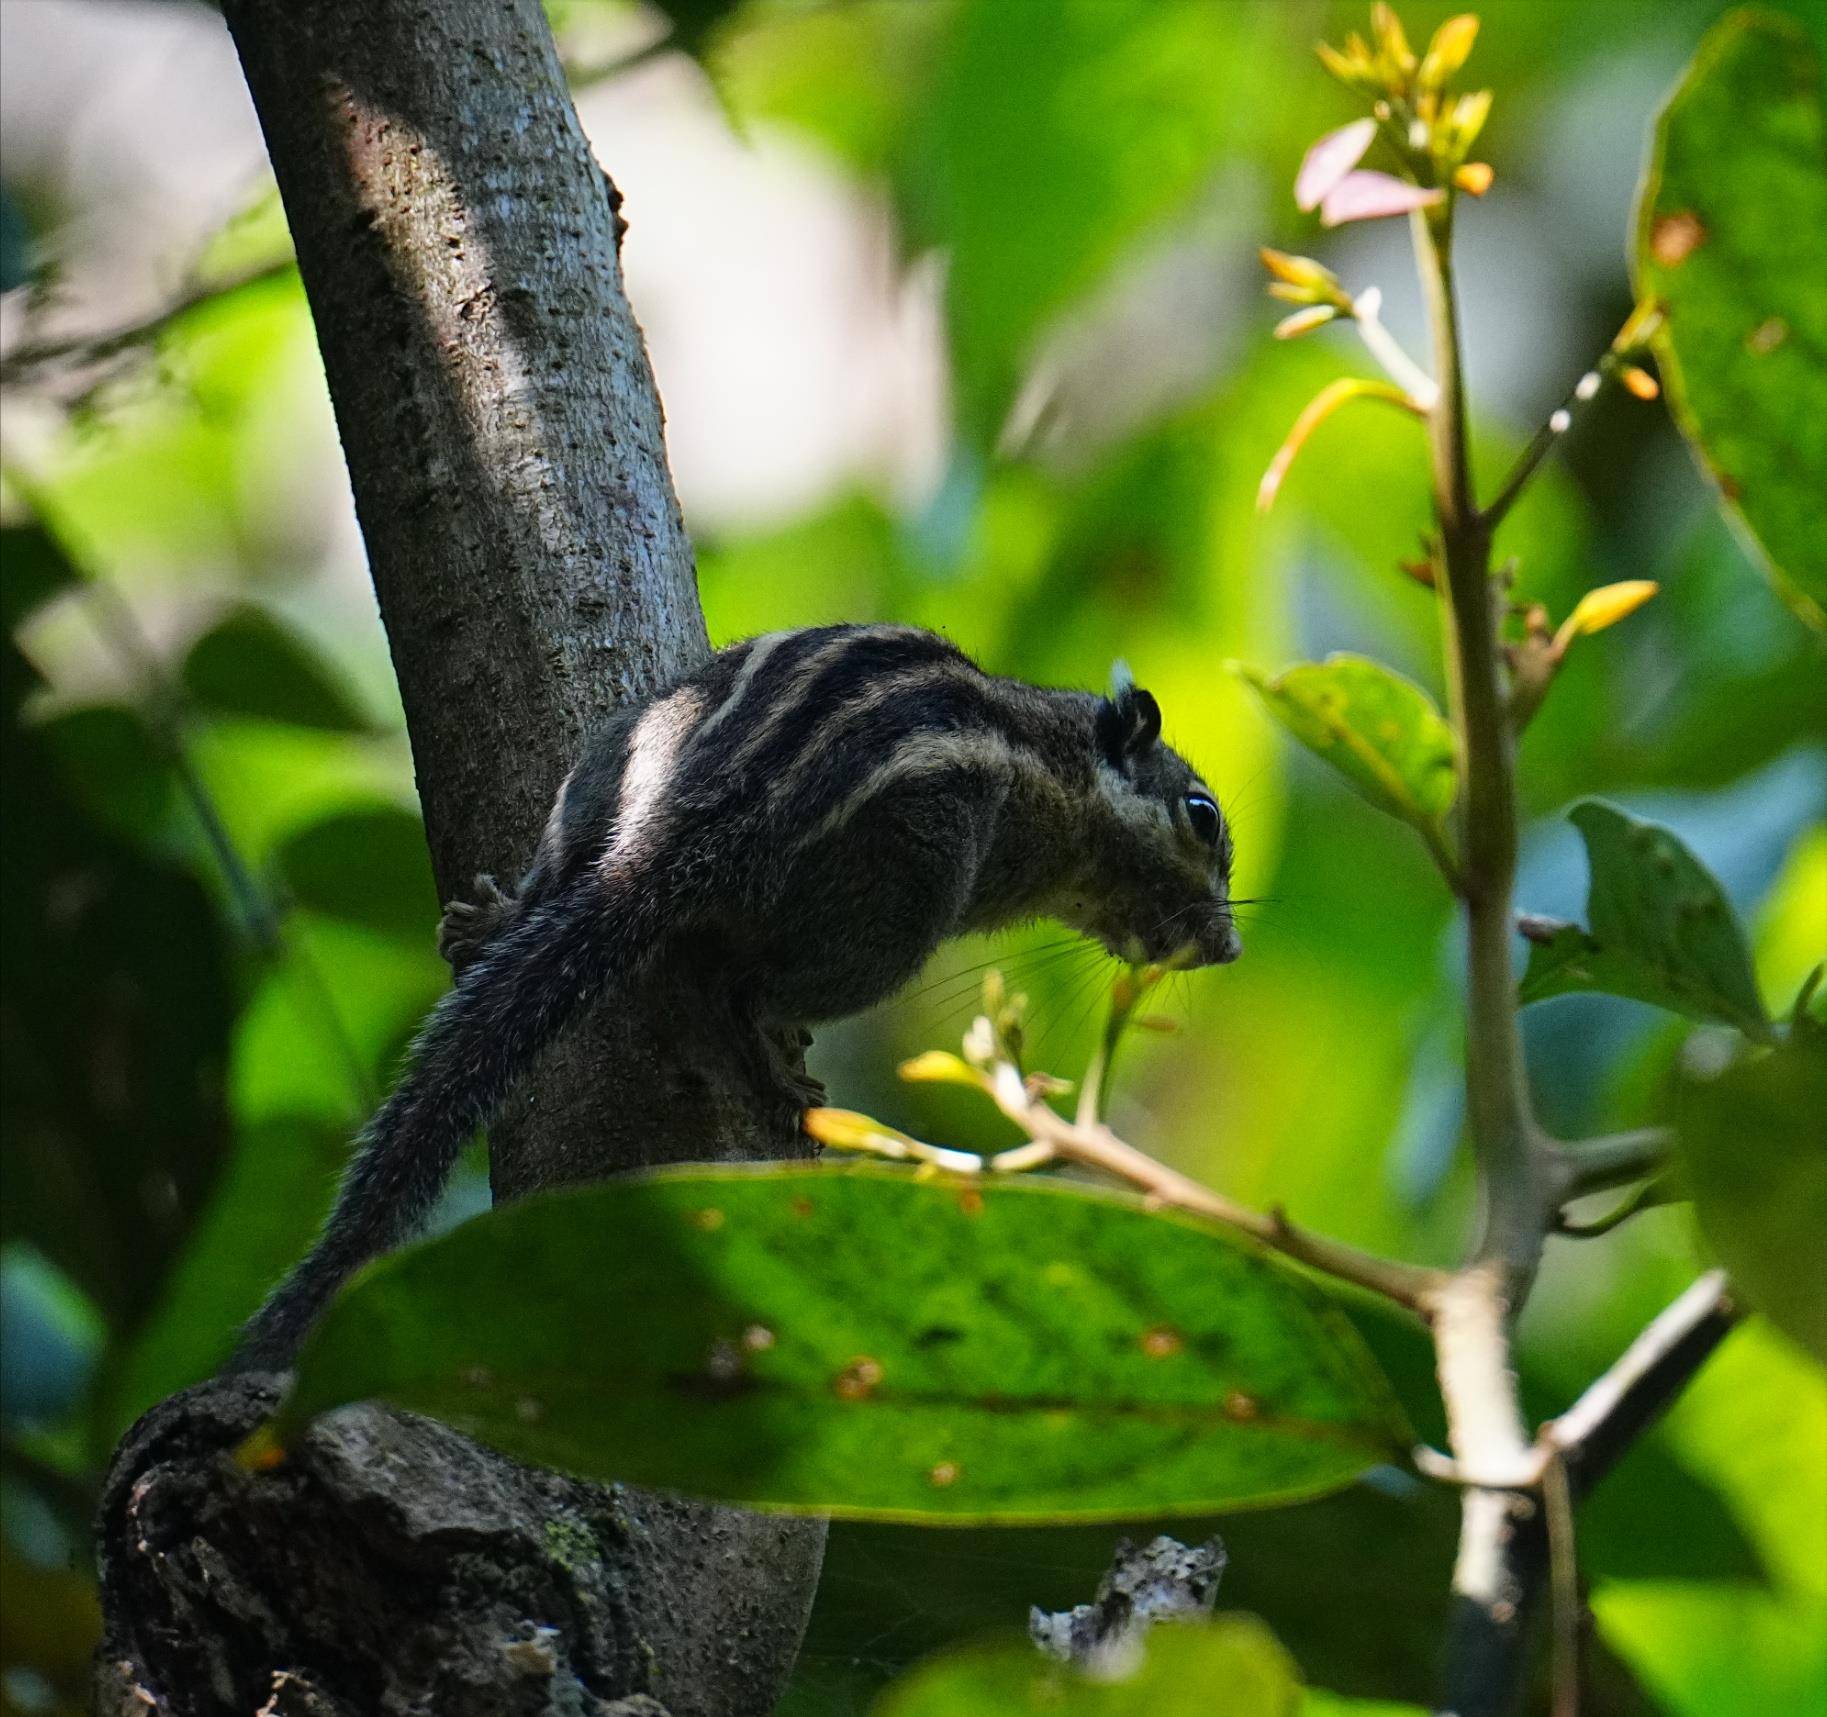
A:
x,y
218,926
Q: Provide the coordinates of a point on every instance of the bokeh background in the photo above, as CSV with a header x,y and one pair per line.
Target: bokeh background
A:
x,y
956,313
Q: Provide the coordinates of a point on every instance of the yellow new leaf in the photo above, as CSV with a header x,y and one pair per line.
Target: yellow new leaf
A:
x,y
1323,404
1296,270
1305,321
1469,114
1351,65
939,1067
1604,607
847,1130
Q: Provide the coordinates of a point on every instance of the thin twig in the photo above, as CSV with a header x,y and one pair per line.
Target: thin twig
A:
x,y
80,350
1545,439
1583,392
1094,1146
1563,1584
1619,1159
1618,1406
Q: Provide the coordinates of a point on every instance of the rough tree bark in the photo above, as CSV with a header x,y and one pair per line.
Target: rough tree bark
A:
x,y
460,250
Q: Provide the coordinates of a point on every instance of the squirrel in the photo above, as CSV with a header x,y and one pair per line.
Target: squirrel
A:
x,y
796,825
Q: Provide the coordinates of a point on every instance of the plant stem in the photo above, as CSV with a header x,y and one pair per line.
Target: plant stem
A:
x,y
1503,1132
1474,1312
1630,340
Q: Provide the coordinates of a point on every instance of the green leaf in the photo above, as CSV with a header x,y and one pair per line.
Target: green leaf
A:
x,y
1732,243
695,22
864,1341
1755,1150
369,866
1233,1665
1660,929
1380,731
248,664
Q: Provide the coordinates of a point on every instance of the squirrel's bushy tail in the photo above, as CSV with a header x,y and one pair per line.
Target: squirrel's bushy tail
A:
x,y
556,956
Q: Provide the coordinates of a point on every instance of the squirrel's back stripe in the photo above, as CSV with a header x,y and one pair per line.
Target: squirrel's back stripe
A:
x,y
757,653
874,717
824,679
982,751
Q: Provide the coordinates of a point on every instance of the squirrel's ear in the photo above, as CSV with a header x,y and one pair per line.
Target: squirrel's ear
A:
x,y
1128,723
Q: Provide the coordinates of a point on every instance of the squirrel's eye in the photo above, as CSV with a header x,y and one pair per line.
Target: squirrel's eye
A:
x,y
1202,813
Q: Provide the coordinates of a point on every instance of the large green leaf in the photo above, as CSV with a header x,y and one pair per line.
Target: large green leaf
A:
x,y
1754,1143
1234,1666
1380,731
1732,242
864,1341
1660,929
1283,1563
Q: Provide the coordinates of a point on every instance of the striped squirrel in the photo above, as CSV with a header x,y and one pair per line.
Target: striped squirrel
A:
x,y
796,826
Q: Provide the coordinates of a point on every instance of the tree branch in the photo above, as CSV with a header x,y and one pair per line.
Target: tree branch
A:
x,y
1487,1645
1524,1176
1619,1407
458,246
24,360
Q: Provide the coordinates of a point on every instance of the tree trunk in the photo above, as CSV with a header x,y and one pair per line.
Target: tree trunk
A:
x,y
459,248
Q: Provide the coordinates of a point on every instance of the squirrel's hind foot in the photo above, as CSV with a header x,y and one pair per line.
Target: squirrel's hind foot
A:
x,y
468,927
